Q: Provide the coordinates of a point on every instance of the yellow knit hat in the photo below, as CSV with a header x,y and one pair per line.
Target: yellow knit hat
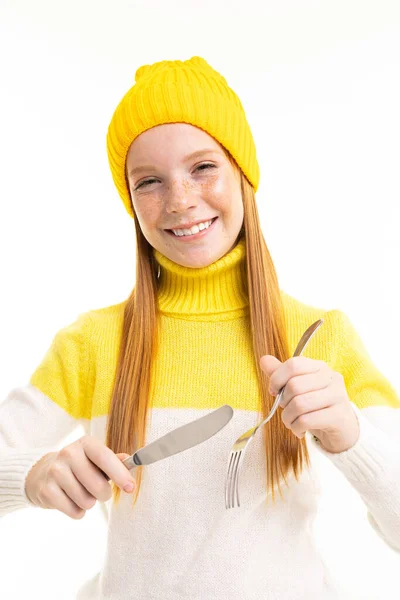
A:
x,y
177,91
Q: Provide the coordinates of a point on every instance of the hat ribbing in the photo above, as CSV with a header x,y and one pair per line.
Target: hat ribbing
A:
x,y
177,91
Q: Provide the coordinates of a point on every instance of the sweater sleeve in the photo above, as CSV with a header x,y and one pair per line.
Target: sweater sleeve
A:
x,y
372,465
36,417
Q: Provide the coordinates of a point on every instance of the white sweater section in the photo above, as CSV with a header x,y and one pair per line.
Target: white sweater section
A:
x,y
180,533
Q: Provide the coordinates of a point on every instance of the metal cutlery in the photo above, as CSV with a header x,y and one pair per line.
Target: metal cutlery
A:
x,y
240,446
182,438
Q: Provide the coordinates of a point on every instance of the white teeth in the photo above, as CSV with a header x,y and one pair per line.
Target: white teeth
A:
x,y
192,230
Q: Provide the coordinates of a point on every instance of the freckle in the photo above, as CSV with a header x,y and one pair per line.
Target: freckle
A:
x,y
207,185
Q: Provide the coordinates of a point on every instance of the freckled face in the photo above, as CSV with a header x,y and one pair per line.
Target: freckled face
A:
x,y
178,174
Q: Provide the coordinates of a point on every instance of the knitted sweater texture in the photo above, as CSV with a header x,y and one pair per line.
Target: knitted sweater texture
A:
x,y
179,542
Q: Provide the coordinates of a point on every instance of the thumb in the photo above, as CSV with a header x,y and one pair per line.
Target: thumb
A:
x,y
122,455
269,364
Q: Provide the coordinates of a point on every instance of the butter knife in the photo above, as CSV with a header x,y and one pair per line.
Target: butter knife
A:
x,y
182,438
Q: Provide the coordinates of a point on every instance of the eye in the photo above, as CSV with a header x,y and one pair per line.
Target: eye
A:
x,y
205,166
145,182
201,167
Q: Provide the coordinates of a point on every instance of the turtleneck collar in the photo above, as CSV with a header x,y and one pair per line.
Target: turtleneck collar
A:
x,y
218,289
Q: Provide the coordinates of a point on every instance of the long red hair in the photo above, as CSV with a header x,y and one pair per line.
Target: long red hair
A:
x,y
139,341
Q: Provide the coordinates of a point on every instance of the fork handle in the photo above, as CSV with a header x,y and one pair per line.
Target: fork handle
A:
x,y
273,409
306,337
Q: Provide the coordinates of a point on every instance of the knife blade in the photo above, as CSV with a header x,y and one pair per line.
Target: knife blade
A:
x,y
182,438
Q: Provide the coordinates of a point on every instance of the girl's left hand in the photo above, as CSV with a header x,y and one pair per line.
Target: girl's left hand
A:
x,y
315,400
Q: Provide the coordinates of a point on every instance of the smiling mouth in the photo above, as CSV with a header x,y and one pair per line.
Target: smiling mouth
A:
x,y
171,231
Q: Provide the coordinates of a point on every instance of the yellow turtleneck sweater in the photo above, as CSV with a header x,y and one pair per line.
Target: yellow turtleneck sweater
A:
x,y
179,542
204,314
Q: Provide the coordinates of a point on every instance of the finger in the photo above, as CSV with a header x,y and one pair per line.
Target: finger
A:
x,y
52,496
122,455
298,365
108,462
87,473
269,363
304,404
90,477
318,419
76,491
304,384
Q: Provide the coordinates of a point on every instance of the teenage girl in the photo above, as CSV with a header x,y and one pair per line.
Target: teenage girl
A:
x,y
205,325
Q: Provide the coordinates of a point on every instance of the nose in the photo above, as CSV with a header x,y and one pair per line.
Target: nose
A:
x,y
180,197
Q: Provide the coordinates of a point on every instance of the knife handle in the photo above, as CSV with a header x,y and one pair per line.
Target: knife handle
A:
x,y
128,462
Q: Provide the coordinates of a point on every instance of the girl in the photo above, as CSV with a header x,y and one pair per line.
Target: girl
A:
x,y
205,325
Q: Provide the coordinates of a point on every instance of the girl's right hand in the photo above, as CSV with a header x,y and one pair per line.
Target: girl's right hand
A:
x,y
71,480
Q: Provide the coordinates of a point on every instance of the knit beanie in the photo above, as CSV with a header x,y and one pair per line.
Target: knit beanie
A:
x,y
177,91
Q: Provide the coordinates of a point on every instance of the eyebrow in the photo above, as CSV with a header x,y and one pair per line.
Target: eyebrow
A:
x,y
196,154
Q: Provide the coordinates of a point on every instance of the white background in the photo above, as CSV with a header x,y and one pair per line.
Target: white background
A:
x,y
320,85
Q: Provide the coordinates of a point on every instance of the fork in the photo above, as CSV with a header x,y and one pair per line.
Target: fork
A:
x,y
240,446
